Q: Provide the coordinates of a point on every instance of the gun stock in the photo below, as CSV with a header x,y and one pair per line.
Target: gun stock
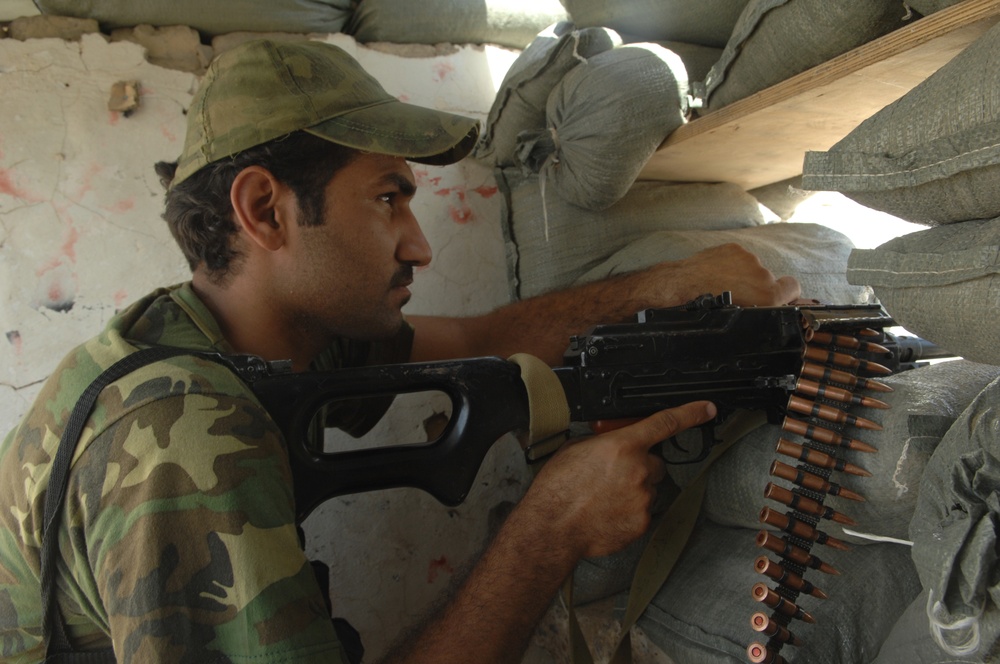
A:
x,y
488,400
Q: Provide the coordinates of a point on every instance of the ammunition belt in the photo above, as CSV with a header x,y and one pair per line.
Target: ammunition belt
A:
x,y
839,363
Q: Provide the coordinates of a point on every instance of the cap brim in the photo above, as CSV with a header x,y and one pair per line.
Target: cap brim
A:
x,y
399,129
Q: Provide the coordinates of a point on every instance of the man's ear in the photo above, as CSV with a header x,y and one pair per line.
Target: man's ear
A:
x,y
262,206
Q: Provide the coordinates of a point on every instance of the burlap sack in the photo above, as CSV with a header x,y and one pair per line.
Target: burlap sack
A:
x,y
550,243
815,255
776,39
701,615
956,545
941,284
910,641
708,23
924,405
210,17
932,156
604,120
524,91
505,22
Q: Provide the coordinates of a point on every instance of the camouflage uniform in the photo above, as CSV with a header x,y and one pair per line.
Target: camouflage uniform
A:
x,y
181,543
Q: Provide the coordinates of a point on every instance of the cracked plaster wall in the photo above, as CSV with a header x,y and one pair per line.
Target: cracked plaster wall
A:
x,y
81,236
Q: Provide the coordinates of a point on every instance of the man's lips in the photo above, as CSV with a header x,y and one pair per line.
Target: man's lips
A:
x,y
403,278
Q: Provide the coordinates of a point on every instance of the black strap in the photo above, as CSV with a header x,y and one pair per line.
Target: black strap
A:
x,y
57,643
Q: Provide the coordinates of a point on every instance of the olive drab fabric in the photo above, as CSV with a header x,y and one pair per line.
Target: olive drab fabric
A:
x,y
179,537
263,90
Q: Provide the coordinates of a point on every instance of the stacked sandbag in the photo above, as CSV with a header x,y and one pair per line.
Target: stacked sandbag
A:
x,y
210,17
708,23
932,157
942,284
956,543
812,253
911,641
551,243
701,615
923,406
927,7
522,96
604,120
698,60
776,39
511,23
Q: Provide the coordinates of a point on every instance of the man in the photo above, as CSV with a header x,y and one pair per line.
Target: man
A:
x,y
291,203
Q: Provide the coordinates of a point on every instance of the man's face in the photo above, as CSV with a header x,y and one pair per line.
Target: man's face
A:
x,y
350,274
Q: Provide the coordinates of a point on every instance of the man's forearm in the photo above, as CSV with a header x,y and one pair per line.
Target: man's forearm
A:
x,y
542,325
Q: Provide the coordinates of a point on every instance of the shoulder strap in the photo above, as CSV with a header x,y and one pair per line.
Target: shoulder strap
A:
x,y
53,627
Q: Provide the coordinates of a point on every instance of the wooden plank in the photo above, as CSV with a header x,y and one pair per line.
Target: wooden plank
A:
x,y
763,138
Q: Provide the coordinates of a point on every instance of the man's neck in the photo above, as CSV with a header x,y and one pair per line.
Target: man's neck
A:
x,y
249,323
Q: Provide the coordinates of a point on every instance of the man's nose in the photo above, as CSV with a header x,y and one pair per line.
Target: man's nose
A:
x,y
413,247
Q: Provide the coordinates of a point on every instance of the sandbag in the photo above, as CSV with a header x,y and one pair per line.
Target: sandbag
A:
x,y
941,283
708,22
698,60
701,615
210,17
604,120
931,157
956,544
923,406
520,101
776,39
505,22
927,7
550,243
910,641
813,254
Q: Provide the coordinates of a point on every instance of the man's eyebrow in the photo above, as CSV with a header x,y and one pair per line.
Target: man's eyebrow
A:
x,y
406,187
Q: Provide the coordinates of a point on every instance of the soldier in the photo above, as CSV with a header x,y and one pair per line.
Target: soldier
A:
x,y
291,203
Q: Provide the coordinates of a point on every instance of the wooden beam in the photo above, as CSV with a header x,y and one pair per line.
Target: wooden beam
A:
x,y
763,138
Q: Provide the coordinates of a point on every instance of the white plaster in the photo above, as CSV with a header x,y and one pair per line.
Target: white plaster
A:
x,y
80,222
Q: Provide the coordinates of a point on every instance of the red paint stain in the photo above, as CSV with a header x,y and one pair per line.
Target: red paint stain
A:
x,y
169,135
122,206
461,215
54,293
87,181
443,71
443,192
8,187
436,567
114,117
485,192
120,297
69,246
403,98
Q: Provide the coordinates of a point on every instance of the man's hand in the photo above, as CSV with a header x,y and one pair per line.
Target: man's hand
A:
x,y
730,267
596,493
591,499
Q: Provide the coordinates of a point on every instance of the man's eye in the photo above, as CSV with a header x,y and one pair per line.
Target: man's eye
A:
x,y
387,198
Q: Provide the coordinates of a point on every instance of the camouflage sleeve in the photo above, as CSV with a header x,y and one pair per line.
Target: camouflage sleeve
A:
x,y
186,503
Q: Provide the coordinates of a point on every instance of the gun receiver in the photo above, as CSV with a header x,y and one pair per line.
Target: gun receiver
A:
x,y
739,358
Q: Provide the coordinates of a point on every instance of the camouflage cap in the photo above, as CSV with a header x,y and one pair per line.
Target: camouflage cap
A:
x,y
264,89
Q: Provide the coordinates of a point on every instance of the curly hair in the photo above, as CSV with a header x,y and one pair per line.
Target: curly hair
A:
x,y
200,215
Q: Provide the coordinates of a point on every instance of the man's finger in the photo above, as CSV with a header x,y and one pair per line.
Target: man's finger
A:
x,y
666,423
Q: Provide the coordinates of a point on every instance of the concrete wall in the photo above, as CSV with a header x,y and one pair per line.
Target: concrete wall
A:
x,y
81,236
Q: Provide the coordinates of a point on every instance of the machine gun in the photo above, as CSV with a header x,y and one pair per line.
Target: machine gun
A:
x,y
739,358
